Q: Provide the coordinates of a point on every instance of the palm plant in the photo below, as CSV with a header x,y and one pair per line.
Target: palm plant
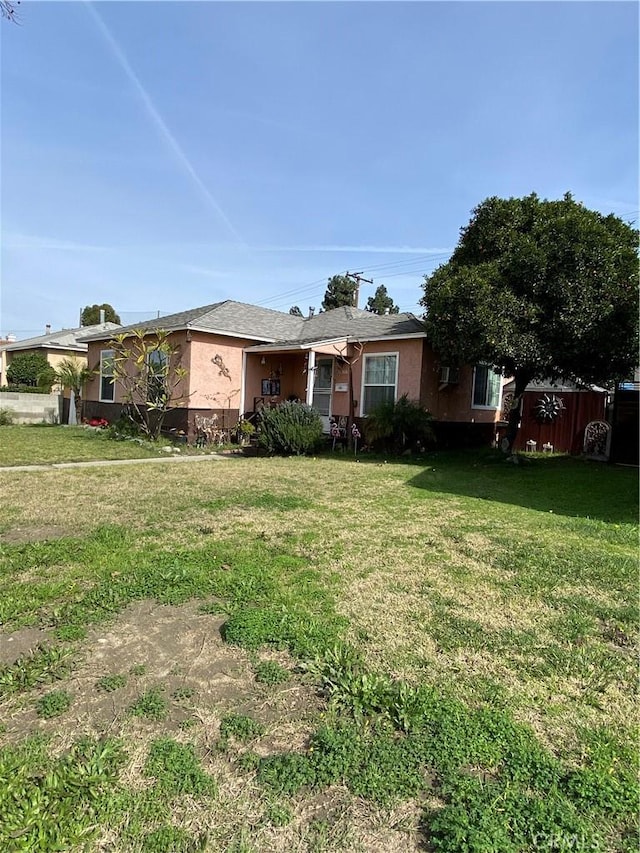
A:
x,y
73,374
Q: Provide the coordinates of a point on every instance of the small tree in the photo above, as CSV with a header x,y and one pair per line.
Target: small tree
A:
x,y
340,291
295,311
381,302
147,367
91,314
30,368
539,290
74,374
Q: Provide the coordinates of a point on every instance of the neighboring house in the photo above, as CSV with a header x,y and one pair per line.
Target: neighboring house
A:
x,y
343,362
56,346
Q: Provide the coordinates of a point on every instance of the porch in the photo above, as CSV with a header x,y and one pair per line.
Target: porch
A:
x,y
318,377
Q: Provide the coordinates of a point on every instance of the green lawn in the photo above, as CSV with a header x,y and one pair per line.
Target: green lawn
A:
x,y
44,444
322,654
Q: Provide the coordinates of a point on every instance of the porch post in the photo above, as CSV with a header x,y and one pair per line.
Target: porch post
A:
x,y
242,407
311,375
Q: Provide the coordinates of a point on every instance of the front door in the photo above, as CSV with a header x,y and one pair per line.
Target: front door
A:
x,y
322,390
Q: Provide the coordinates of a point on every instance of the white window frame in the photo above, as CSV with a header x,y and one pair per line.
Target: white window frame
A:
x,y
485,408
367,356
105,354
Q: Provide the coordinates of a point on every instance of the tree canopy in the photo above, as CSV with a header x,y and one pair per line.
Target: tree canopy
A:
x,y
340,291
91,314
540,290
295,310
381,302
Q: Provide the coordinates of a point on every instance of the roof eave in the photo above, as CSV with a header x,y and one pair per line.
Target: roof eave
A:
x,y
20,345
304,345
408,336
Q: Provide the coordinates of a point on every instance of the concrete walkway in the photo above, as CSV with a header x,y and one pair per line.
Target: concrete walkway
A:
x,y
212,457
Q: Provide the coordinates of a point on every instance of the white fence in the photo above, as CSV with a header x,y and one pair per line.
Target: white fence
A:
x,y
33,408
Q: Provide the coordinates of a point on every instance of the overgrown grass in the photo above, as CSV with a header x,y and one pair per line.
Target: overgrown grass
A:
x,y
471,625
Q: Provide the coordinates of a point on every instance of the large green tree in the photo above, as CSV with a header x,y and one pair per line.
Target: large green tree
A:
x,y
540,290
381,302
91,314
340,291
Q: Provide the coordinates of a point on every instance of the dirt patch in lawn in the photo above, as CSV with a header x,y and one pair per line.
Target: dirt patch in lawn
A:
x,y
22,642
173,653
23,535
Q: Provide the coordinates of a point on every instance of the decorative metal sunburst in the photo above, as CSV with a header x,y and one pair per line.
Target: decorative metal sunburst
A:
x,y
549,407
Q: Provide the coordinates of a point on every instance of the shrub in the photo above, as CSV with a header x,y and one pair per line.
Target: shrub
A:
x,y
6,417
290,428
403,425
27,368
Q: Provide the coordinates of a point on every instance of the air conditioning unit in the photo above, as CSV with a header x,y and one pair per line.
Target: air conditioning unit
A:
x,y
449,375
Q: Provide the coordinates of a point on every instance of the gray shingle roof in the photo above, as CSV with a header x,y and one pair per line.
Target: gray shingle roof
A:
x,y
264,324
355,323
64,338
234,318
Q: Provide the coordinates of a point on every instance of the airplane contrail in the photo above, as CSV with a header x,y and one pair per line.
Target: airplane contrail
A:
x,y
159,122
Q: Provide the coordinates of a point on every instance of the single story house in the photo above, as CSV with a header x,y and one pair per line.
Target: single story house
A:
x,y
55,346
241,357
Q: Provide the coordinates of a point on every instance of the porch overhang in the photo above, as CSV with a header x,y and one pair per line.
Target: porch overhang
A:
x,y
335,346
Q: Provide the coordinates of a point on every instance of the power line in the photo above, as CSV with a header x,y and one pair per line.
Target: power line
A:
x,y
311,288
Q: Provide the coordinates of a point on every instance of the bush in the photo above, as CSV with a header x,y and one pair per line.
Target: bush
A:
x,y
290,429
396,427
6,417
30,368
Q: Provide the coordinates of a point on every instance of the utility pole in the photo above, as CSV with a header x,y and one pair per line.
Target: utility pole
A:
x,y
357,277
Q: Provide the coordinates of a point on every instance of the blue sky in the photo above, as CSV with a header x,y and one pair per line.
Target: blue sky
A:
x,y
160,156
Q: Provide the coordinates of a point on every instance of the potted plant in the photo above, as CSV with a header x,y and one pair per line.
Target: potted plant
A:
x,y
245,431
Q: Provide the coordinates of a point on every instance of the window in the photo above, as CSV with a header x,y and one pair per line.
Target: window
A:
x,y
379,381
157,363
486,388
107,386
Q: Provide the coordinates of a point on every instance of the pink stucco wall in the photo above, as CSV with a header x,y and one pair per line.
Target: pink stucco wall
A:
x,y
208,387
409,367
180,394
418,376
453,402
